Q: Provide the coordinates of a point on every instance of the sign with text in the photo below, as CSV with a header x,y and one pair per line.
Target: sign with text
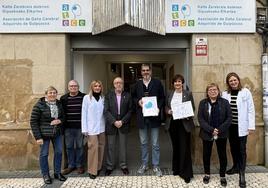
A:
x,y
201,47
30,16
210,16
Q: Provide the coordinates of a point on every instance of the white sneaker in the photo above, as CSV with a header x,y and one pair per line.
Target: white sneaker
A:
x,y
157,171
142,169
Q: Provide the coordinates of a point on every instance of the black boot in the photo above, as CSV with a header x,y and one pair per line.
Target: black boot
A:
x,y
233,170
242,179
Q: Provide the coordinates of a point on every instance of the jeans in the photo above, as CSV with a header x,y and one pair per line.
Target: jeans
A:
x,y
74,147
155,146
43,157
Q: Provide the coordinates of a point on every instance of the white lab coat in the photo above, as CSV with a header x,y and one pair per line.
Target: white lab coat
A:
x,y
246,111
93,122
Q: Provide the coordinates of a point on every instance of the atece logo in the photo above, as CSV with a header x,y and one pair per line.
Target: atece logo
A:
x,y
71,14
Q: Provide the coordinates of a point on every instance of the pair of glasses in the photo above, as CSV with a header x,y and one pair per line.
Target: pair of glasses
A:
x,y
213,90
145,70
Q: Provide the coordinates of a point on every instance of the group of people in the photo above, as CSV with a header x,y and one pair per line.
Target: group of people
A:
x,y
228,115
101,120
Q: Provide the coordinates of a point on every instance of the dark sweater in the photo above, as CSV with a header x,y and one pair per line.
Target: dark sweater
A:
x,y
72,106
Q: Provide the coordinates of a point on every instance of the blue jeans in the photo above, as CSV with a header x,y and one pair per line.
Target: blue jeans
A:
x,y
144,146
43,157
74,147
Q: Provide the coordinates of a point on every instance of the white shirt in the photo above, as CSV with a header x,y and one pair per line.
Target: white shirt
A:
x,y
177,98
93,122
246,110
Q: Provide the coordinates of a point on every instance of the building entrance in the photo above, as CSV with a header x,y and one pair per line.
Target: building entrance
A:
x,y
108,56
106,67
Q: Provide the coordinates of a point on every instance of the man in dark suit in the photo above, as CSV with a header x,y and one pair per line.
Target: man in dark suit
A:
x,y
148,87
117,111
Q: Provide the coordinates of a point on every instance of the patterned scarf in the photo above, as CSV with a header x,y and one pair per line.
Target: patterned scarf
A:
x,y
53,109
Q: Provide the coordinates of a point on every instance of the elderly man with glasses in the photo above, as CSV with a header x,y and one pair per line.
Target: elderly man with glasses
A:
x,y
72,105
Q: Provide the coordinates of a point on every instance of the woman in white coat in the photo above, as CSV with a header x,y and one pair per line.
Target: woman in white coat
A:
x,y
243,123
93,126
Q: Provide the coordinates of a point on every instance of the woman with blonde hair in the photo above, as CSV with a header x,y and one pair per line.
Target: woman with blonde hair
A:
x,y
93,126
214,116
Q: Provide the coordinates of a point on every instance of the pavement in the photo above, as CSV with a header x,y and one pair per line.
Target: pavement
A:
x,y
256,176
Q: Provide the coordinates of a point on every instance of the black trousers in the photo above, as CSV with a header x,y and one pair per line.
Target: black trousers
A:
x,y
181,144
221,150
238,148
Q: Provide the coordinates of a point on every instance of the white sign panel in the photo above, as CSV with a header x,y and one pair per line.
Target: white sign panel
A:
x,y
149,106
182,110
210,16
30,16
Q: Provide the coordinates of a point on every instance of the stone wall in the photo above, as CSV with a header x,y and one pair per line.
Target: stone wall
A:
x,y
239,53
29,63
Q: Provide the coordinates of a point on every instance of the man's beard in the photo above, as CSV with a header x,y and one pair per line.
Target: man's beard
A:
x,y
147,77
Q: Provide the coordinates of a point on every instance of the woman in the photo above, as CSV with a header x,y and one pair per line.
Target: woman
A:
x,y
46,122
214,116
243,123
180,130
93,126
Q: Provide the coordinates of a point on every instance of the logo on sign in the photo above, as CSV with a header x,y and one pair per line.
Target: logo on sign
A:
x,y
181,11
71,15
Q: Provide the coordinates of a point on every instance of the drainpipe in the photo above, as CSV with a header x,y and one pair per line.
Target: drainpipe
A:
x,y
264,60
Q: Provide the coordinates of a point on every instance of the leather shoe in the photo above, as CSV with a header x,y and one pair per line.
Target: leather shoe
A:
x,y
187,180
206,179
92,176
223,182
108,172
67,171
232,171
59,177
47,179
125,171
80,170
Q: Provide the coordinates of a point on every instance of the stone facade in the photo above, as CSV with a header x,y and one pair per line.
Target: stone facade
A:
x,y
31,62
240,53
28,64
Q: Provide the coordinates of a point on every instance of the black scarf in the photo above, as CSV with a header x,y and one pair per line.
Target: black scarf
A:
x,y
214,114
96,96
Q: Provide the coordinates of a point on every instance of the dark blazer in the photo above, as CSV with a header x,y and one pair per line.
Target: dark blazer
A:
x,y
111,112
225,119
155,88
41,119
188,123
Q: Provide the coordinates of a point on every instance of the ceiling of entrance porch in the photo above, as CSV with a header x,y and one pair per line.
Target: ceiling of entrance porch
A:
x,y
143,14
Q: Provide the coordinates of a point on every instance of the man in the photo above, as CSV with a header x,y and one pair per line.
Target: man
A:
x,y
72,105
117,111
148,87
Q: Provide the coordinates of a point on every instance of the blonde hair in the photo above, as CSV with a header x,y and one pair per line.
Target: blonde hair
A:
x,y
212,85
50,88
92,85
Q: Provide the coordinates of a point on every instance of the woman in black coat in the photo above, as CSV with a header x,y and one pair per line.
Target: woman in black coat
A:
x,y
214,116
46,122
180,130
